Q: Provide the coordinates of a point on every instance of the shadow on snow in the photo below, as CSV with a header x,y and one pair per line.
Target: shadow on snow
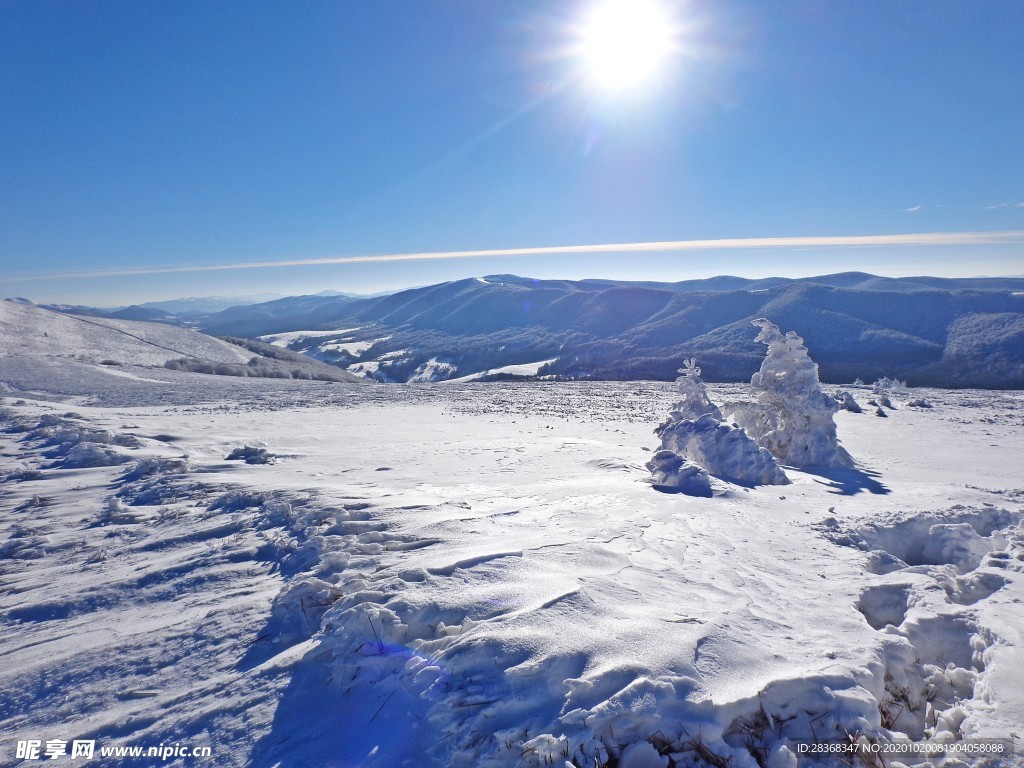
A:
x,y
847,481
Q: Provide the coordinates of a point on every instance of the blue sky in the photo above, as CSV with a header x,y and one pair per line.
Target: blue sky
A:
x,y
138,137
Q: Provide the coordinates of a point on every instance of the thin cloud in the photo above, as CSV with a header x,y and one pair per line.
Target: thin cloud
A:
x,y
915,209
668,246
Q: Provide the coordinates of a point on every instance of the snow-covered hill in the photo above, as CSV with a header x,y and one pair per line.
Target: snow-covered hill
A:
x,y
42,348
28,329
294,573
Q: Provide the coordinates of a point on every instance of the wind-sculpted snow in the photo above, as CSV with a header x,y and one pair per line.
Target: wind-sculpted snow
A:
x,y
932,567
793,418
469,576
847,401
703,445
671,472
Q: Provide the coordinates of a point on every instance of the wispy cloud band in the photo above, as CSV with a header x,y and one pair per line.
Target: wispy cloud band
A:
x,y
743,243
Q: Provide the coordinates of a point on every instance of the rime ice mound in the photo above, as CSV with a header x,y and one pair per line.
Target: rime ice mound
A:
x,y
251,454
695,443
847,402
670,471
792,417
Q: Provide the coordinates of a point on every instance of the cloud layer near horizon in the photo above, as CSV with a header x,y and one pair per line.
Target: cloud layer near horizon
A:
x,y
841,241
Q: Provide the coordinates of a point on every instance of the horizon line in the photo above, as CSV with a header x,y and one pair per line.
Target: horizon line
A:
x,y
832,241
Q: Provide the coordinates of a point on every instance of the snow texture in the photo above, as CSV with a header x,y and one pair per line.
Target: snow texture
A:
x,y
471,576
433,370
696,443
29,329
671,472
545,609
793,417
847,402
251,454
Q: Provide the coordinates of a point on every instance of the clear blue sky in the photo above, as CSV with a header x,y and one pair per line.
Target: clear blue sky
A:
x,y
150,135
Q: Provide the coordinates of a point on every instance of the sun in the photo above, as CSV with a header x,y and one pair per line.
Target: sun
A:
x,y
625,44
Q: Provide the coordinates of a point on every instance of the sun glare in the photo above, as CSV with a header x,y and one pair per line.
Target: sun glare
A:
x,y
624,44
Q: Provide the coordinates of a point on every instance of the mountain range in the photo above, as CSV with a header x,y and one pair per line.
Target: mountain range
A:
x,y
966,332
955,332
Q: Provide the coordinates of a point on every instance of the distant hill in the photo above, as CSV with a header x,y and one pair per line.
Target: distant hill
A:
x,y
30,332
172,311
34,330
289,314
930,331
138,312
132,312
204,305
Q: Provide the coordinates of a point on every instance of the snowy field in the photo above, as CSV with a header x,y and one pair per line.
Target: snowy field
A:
x,y
482,575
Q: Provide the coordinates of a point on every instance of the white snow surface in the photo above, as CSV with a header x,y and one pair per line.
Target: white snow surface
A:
x,y
32,330
432,370
480,575
368,369
354,348
332,347
703,445
286,338
518,369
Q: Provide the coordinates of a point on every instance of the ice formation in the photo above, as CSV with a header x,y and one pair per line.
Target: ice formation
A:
x,y
888,388
696,443
847,402
669,470
792,417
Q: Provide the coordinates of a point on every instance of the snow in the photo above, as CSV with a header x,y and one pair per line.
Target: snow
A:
x,y
481,575
44,351
284,339
337,344
520,369
847,402
332,346
432,370
353,348
672,472
127,375
32,330
367,368
792,418
696,443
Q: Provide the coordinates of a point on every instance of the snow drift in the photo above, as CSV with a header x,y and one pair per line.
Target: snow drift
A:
x,y
479,577
695,443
